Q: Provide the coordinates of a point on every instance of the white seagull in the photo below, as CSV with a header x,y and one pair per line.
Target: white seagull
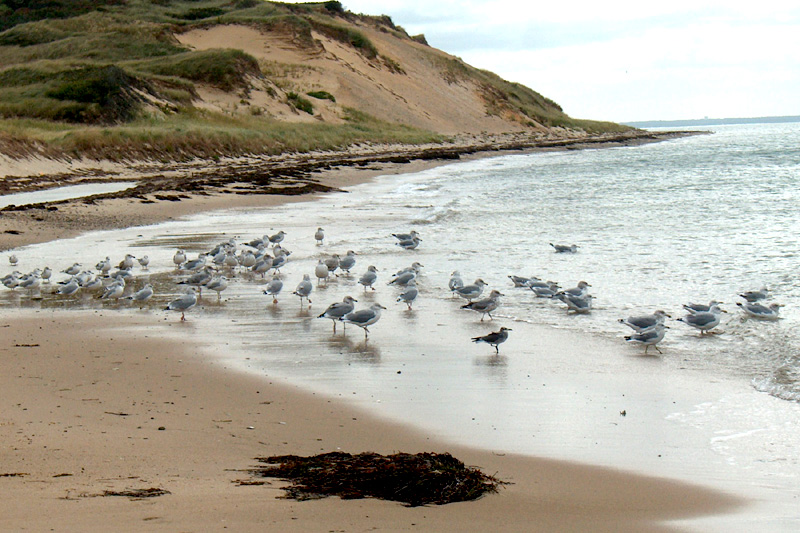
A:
x,y
304,289
337,310
648,337
757,310
485,306
364,318
183,303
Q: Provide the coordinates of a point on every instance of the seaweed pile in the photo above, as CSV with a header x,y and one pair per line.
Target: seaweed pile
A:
x,y
413,479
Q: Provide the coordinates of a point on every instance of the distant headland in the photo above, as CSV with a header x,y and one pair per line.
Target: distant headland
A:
x,y
711,122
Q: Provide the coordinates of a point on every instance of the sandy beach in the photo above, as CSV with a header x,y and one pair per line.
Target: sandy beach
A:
x,y
91,404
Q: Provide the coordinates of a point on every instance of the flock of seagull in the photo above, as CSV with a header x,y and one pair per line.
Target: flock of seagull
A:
x,y
212,270
260,256
649,330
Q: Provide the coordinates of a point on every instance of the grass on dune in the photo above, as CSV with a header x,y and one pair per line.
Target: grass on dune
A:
x,y
208,135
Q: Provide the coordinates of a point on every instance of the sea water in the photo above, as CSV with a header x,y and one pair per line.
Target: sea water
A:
x,y
659,225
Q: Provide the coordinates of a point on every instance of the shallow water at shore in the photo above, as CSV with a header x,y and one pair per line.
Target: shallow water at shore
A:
x,y
63,193
562,382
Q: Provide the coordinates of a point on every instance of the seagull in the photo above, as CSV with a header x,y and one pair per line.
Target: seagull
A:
x,y
47,273
580,290
179,258
228,246
142,295
410,294
470,292
195,264
409,244
547,291
364,318
183,303
415,267
455,281
277,238
96,284
247,259
348,261
304,289
231,261
11,281
521,281
319,236
643,322
485,306
535,282
565,248
337,310
274,288
369,278
579,304
262,266
69,288
13,260
30,282
758,310
126,263
123,273
73,270
113,291
144,261
104,266
701,308
332,263
218,285
704,320
754,296
321,271
403,278
648,337
279,261
198,279
258,242
406,236
495,338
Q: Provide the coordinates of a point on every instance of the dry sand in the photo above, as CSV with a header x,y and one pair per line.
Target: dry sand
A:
x,y
89,406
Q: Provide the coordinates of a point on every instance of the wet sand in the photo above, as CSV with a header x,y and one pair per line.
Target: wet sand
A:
x,y
90,405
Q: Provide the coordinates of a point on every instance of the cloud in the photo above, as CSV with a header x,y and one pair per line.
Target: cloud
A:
x,y
622,59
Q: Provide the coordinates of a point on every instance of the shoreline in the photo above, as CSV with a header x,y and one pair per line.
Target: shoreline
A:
x,y
170,190
549,493
92,420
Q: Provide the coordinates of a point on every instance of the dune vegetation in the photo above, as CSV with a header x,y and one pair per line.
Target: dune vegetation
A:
x,y
109,78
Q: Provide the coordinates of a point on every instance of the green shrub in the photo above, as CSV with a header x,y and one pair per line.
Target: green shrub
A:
x,y
200,13
107,93
334,7
225,69
298,102
21,76
31,34
22,11
322,95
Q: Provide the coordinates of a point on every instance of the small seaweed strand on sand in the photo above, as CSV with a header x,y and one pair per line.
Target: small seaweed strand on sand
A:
x,y
136,494
414,479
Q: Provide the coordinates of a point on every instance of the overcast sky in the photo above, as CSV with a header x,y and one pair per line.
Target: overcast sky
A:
x,y
624,60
